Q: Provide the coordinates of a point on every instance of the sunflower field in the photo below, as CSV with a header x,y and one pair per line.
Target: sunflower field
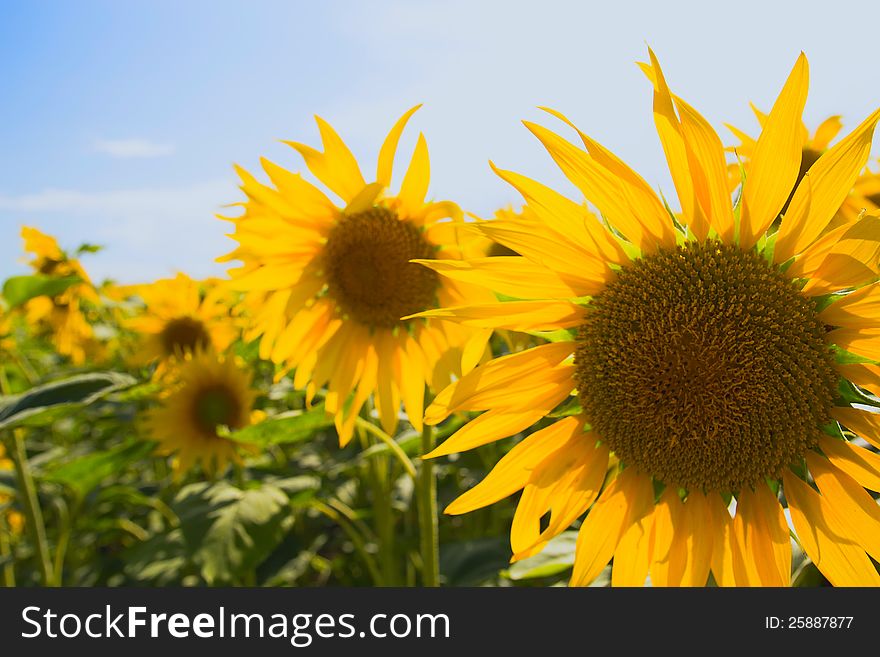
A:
x,y
623,388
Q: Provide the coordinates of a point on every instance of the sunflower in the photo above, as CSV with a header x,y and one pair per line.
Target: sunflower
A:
x,y
62,316
204,392
713,364
865,193
326,285
180,316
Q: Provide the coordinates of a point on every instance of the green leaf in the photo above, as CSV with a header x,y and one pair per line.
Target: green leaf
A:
x,y
230,531
159,560
21,289
850,394
572,406
560,335
86,472
557,557
844,357
46,403
89,248
474,562
291,427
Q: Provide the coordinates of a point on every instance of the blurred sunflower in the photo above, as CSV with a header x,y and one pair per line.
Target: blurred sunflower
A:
x,y
327,285
14,519
62,316
705,360
203,392
864,195
181,315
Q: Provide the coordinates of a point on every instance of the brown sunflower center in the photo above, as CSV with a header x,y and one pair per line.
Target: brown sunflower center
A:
x,y
705,367
216,405
184,334
368,268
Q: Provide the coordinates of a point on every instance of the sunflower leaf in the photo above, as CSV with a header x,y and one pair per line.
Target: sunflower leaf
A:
x,y
46,403
557,557
86,472
228,531
18,290
284,428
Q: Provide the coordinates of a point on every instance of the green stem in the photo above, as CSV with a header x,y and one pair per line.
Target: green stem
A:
x,y
355,536
392,444
65,522
31,503
384,520
427,503
7,576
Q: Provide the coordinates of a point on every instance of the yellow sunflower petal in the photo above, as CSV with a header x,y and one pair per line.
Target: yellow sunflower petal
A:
x,y
859,463
636,191
633,554
514,276
513,315
864,342
492,425
864,423
498,374
545,247
600,186
819,532
669,131
565,483
310,203
415,181
683,540
626,499
806,264
387,392
728,560
707,152
829,180
775,164
864,375
412,381
765,537
859,309
852,260
389,148
512,472
827,130
567,218
856,510
336,167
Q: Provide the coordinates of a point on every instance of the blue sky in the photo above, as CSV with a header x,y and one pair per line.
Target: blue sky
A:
x,y
120,122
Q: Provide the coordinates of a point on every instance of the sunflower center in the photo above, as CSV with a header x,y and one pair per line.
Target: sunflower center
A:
x,y
368,268
214,406
705,367
184,334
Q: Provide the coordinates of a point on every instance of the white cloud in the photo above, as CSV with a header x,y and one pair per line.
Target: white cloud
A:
x,y
148,232
131,148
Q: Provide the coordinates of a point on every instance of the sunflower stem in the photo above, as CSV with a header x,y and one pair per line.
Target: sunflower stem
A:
x,y
7,576
31,503
428,527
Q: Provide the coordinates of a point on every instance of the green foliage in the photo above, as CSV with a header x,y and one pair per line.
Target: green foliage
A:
x,y
290,427
46,403
229,531
555,559
82,474
18,290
